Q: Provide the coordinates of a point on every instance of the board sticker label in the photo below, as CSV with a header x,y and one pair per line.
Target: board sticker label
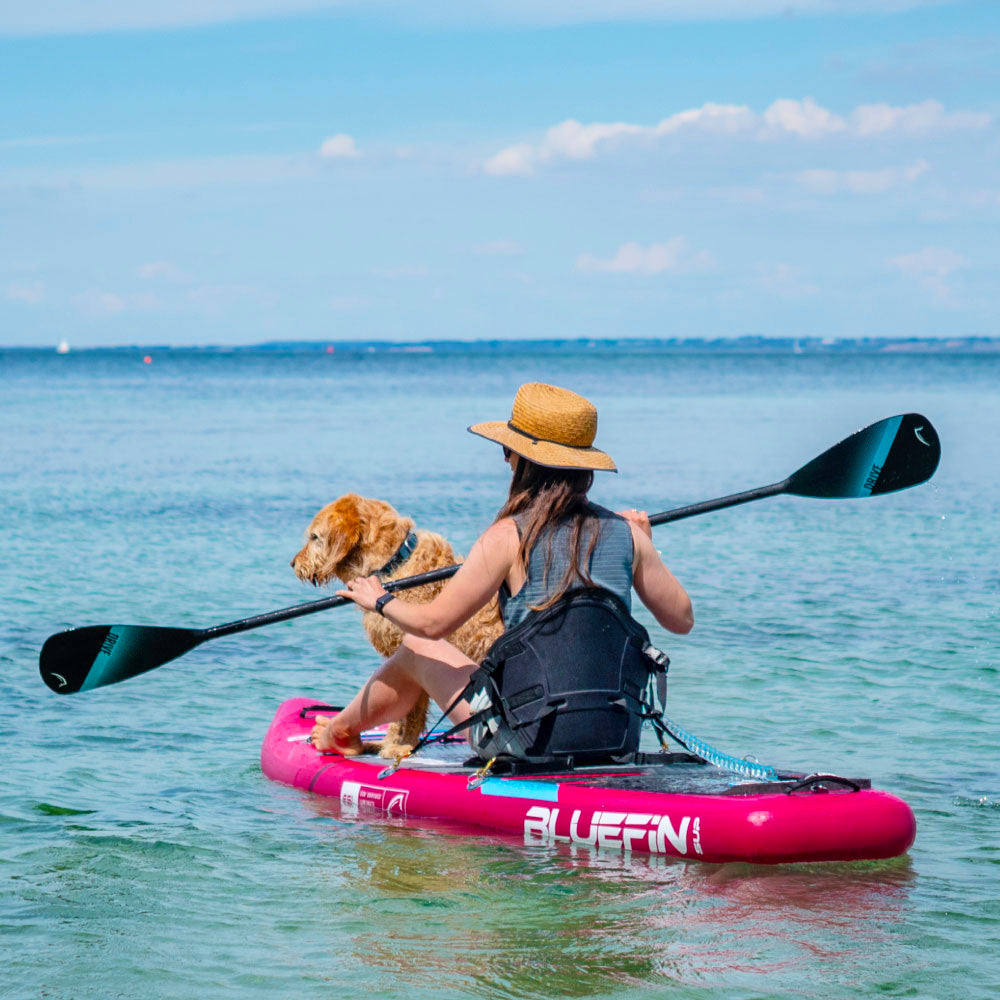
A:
x,y
356,798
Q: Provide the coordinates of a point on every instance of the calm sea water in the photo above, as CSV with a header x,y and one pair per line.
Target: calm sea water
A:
x,y
142,853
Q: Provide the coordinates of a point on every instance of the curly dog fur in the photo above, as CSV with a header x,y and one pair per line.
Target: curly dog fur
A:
x,y
355,536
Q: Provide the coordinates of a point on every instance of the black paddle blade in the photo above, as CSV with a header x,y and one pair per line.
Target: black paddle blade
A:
x,y
91,657
893,454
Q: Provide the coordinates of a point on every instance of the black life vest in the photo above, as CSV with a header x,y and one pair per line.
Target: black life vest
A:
x,y
575,680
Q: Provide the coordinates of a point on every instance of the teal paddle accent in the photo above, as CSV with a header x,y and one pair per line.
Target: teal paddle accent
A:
x,y
869,471
102,670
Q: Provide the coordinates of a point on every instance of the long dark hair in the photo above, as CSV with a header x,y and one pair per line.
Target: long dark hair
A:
x,y
547,496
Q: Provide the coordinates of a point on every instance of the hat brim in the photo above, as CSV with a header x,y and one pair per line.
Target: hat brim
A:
x,y
548,453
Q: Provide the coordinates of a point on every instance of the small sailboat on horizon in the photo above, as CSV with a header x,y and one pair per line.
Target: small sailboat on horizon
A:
x,y
62,347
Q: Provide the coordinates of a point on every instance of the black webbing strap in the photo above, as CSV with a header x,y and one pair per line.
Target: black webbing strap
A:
x,y
309,709
431,737
427,740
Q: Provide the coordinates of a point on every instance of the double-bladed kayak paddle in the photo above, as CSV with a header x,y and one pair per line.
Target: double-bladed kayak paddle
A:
x,y
890,455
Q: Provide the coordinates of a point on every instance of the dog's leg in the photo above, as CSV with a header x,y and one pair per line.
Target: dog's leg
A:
x,y
402,736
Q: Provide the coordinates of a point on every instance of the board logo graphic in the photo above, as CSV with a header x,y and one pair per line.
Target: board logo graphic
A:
x,y
356,798
109,643
59,677
920,437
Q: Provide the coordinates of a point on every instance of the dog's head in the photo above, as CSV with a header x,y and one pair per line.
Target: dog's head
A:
x,y
351,537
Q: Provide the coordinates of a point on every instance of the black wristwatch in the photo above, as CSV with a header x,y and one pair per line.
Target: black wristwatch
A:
x,y
382,602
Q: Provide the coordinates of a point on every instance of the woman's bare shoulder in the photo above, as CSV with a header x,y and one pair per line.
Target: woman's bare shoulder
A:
x,y
495,550
642,544
501,534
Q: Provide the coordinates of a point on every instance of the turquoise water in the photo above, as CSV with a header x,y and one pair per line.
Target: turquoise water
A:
x,y
143,854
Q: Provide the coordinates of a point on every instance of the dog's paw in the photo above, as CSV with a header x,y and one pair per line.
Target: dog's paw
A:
x,y
395,751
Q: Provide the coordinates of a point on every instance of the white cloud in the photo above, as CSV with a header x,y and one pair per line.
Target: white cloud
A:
x,y
859,181
574,141
339,147
805,119
514,161
632,258
932,267
30,295
929,116
725,119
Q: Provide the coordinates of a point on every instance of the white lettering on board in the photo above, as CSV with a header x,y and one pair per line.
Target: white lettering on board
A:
x,y
614,830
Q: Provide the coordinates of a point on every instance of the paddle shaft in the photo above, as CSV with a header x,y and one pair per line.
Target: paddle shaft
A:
x,y
434,575
298,610
733,500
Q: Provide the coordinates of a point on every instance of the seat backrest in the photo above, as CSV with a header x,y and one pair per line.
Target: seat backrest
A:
x,y
569,680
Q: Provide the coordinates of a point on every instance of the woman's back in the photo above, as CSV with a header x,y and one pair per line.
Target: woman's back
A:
x,y
610,565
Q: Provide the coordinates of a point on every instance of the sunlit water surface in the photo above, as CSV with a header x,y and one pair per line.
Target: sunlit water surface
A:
x,y
143,854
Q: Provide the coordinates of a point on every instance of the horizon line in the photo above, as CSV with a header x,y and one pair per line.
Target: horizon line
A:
x,y
811,344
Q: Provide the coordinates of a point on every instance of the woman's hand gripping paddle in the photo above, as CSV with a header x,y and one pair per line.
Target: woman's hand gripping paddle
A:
x,y
890,455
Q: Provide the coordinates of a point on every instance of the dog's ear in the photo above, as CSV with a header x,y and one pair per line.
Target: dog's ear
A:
x,y
382,527
340,528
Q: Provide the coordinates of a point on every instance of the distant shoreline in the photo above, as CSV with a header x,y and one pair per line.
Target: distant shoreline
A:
x,y
672,345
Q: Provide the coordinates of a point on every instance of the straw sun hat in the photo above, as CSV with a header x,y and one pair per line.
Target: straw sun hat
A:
x,y
550,426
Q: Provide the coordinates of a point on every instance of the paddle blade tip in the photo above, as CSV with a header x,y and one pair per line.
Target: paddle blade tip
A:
x,y
913,457
66,657
890,455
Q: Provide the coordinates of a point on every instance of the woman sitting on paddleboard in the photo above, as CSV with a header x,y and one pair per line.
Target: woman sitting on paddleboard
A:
x,y
546,541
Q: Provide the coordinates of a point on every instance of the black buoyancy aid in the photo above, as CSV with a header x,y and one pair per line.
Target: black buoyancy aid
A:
x,y
576,680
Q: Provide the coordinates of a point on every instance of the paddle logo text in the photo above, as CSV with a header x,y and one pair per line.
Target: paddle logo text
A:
x,y
615,830
873,477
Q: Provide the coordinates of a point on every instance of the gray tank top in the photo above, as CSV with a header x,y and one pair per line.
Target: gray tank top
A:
x,y
610,565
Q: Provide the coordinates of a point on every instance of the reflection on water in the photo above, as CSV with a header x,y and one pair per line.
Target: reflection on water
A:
x,y
495,917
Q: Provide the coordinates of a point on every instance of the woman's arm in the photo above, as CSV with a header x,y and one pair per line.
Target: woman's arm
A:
x,y
656,586
466,592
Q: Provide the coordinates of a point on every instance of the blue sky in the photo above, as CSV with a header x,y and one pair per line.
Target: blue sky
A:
x,y
233,171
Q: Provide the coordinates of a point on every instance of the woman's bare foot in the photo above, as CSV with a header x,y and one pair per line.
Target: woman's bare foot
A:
x,y
328,734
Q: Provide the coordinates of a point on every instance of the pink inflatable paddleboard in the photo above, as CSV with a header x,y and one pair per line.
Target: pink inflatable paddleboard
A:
x,y
686,809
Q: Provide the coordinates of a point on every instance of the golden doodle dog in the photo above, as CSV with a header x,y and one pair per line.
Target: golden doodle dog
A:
x,y
355,536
